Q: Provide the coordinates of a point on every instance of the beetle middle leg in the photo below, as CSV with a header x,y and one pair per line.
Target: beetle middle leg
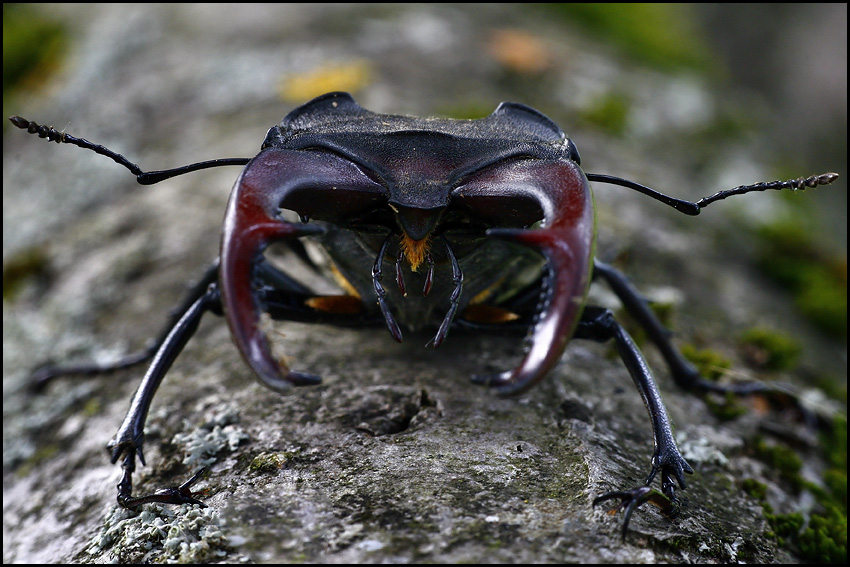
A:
x,y
598,324
45,374
281,296
685,374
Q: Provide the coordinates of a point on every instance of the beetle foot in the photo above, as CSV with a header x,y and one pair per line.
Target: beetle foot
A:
x,y
672,467
128,441
127,446
176,495
630,500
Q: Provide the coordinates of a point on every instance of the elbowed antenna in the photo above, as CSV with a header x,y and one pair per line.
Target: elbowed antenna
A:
x,y
142,177
694,209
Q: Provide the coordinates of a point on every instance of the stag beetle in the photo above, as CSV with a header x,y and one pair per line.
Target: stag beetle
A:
x,y
492,219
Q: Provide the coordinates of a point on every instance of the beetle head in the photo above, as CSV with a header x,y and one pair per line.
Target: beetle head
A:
x,y
333,161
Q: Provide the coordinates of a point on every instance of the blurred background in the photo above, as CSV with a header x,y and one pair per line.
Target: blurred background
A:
x,y
686,98
726,88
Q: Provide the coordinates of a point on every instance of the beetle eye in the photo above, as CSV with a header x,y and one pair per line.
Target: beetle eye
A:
x,y
273,138
572,152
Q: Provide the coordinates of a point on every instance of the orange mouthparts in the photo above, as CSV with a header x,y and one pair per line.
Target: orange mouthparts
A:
x,y
415,250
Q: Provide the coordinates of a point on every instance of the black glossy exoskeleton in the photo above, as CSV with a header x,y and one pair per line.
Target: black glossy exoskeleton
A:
x,y
485,224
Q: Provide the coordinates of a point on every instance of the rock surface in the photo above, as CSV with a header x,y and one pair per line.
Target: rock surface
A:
x,y
396,457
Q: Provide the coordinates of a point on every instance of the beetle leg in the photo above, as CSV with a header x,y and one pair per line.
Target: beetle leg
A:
x,y
684,373
630,500
43,375
598,324
457,278
377,276
129,441
176,495
284,298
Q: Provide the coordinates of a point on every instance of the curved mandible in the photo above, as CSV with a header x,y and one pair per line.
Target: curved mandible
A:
x,y
566,239
299,180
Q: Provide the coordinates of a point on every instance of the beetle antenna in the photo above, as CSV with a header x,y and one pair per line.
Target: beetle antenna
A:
x,y
142,177
694,209
794,184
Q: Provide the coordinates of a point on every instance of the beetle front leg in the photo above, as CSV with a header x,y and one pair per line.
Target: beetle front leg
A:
x,y
128,443
598,324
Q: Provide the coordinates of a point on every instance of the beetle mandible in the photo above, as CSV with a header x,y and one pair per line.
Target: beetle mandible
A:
x,y
440,202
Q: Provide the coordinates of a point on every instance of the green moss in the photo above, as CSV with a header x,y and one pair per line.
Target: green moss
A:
x,y
836,482
727,409
785,526
42,454
835,442
92,407
609,113
822,537
788,253
268,462
664,310
782,460
834,446
832,386
33,47
665,36
26,265
771,350
755,489
680,544
712,366
824,540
